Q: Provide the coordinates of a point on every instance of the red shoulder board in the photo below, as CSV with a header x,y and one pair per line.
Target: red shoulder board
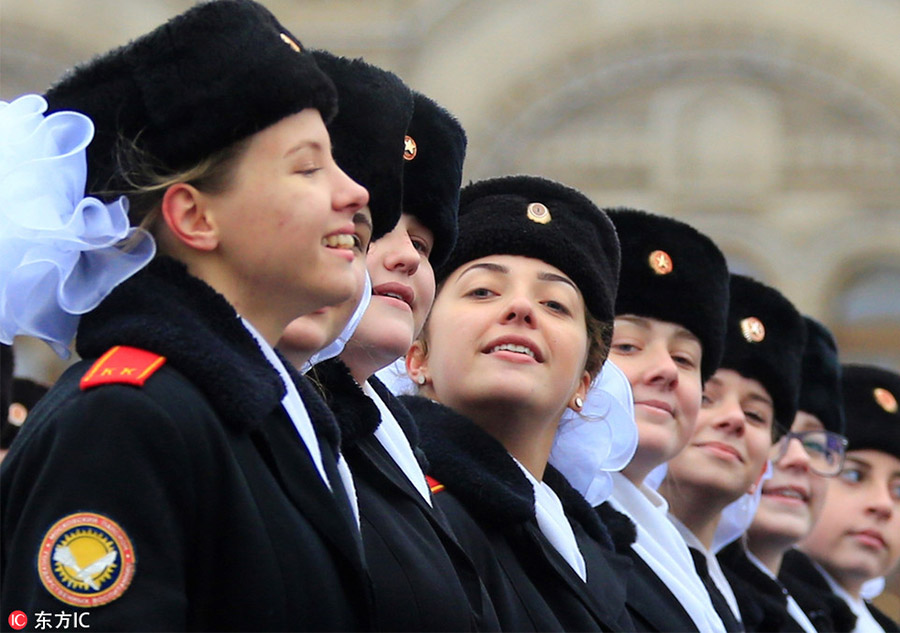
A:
x,y
434,484
124,366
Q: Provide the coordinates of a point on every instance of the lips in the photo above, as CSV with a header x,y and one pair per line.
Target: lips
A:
x,y
515,345
721,449
787,492
870,538
394,290
657,404
343,238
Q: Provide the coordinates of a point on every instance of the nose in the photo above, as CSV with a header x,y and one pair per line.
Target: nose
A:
x,y
880,503
347,194
795,456
519,310
661,369
729,415
400,254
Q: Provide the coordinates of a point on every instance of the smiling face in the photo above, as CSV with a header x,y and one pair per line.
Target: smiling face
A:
x,y
792,499
285,223
402,294
662,362
308,334
508,333
727,453
857,537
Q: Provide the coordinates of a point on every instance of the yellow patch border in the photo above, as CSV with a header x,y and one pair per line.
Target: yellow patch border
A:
x,y
112,531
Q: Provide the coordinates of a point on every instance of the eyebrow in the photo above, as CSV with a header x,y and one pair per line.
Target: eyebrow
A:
x,y
499,268
314,145
643,322
857,460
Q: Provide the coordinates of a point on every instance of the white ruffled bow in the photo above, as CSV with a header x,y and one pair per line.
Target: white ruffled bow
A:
x,y
61,253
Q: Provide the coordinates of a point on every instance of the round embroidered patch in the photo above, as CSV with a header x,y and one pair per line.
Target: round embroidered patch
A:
x,y
86,560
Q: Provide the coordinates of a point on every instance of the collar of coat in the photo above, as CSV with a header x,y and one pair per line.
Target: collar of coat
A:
x,y
622,529
165,310
356,413
480,472
813,593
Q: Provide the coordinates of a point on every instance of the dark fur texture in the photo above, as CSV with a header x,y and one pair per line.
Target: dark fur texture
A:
x,y
367,133
809,588
161,307
580,239
432,179
775,361
869,425
820,386
480,472
694,294
202,81
621,529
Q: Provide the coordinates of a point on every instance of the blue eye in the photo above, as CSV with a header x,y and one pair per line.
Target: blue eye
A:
x,y
851,475
556,306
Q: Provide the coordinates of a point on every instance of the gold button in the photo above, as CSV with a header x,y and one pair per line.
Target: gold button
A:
x,y
660,262
538,212
287,39
410,149
885,400
753,330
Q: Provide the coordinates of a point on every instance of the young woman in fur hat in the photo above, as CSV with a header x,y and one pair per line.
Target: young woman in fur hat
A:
x,y
754,388
671,310
422,580
857,538
802,462
519,328
181,477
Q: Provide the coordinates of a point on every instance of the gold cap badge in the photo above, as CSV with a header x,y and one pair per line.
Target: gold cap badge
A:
x,y
538,212
287,39
885,399
753,330
660,262
410,149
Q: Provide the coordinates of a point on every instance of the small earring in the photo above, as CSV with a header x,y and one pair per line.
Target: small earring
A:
x,y
578,402
420,379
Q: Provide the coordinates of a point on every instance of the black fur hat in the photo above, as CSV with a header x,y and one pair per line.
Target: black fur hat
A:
x,y
764,341
368,132
871,395
820,381
672,272
539,218
432,175
205,79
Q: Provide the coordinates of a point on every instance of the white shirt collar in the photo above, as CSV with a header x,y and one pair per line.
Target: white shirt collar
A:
x,y
663,549
551,519
712,564
395,442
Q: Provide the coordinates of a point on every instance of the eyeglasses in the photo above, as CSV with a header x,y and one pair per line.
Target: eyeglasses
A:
x,y
824,448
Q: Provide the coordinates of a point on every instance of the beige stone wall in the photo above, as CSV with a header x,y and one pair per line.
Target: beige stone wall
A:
x,y
773,126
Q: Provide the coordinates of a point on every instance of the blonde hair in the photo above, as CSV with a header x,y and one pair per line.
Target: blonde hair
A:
x,y
146,179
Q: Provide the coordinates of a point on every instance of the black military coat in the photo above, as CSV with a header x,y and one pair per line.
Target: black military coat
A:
x,y
203,489
814,595
651,605
422,579
490,505
761,599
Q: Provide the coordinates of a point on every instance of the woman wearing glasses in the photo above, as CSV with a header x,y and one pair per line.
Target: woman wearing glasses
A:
x,y
857,539
791,502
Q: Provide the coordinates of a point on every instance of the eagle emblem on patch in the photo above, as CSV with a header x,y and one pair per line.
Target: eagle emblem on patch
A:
x,y
86,560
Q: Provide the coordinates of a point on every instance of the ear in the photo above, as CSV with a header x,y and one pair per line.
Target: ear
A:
x,y
580,395
417,362
186,213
